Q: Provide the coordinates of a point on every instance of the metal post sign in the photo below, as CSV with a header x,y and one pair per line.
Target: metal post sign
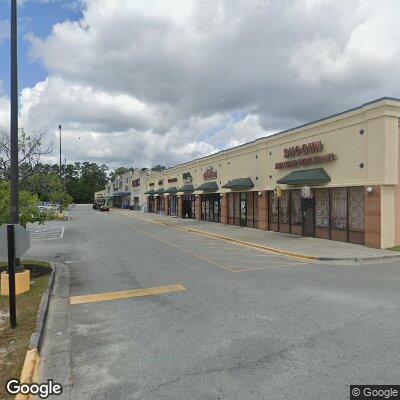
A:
x,y
21,238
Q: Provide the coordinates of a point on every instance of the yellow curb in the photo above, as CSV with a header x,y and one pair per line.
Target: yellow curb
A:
x,y
30,372
241,242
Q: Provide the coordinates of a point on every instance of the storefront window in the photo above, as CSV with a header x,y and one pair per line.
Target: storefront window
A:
x,y
339,208
284,211
296,207
322,208
356,209
273,207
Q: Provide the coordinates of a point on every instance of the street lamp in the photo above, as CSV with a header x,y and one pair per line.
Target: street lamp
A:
x,y
59,129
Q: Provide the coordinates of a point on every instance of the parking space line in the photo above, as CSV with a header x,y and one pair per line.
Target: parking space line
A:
x,y
124,294
179,248
251,268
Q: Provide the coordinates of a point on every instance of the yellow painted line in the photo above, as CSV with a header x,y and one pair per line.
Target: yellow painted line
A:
x,y
125,294
243,269
241,243
177,247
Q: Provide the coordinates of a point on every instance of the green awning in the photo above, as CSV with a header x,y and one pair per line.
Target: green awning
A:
x,y
208,187
149,192
159,191
240,183
306,177
186,189
171,190
121,194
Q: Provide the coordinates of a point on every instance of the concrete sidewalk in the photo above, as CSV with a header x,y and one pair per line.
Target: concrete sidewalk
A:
x,y
307,247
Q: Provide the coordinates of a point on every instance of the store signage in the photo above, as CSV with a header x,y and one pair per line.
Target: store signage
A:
x,y
187,178
305,149
210,173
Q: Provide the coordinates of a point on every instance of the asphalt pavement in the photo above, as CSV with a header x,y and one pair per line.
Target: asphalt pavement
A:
x,y
249,324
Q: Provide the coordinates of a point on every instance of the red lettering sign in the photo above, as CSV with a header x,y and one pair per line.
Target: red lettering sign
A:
x,y
210,173
308,148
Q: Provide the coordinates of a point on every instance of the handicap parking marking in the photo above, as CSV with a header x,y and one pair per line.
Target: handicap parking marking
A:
x,y
47,233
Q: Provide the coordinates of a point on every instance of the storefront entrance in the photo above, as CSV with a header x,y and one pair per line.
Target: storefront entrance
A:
x,y
243,209
210,207
188,206
308,217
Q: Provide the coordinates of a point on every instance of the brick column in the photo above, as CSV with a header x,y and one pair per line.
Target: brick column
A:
x,y
179,211
224,208
198,206
263,211
166,203
372,217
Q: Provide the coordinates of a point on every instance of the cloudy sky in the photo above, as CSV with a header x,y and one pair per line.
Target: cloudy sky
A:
x,y
143,82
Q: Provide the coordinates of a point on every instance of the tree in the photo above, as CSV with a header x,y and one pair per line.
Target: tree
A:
x,y
31,149
120,171
82,180
159,168
48,187
28,207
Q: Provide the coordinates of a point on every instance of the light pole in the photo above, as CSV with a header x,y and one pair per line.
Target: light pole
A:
x,y
59,128
14,201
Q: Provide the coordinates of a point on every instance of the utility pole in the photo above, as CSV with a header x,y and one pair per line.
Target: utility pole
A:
x,y
14,200
59,128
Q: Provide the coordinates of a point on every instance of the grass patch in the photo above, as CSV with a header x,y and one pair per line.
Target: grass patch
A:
x,y
395,248
14,342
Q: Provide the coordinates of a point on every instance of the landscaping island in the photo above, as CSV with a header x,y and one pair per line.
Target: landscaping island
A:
x,y
14,342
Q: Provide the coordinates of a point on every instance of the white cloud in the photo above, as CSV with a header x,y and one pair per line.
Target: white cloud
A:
x,y
4,30
143,82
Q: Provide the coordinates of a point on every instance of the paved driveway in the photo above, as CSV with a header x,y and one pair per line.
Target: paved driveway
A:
x,y
249,325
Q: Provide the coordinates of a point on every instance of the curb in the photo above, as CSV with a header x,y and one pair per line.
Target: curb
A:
x,y
30,369
274,250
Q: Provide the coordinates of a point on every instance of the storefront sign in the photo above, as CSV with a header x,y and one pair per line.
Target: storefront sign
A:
x,y
305,149
187,178
210,173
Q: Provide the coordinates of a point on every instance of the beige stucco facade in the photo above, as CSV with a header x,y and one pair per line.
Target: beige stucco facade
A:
x,y
364,142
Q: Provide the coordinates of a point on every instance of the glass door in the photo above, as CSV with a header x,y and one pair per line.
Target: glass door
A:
x,y
308,217
243,209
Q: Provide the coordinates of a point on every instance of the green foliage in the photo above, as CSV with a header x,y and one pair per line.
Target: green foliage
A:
x,y
159,168
120,171
28,207
82,180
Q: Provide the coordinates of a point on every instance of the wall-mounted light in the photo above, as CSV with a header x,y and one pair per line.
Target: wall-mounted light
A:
x,y
369,190
221,195
259,193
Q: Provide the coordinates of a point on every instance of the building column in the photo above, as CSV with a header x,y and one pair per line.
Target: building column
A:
x,y
224,208
263,210
167,199
372,217
198,206
179,206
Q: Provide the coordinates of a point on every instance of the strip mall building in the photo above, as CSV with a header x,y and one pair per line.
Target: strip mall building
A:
x,y
336,178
